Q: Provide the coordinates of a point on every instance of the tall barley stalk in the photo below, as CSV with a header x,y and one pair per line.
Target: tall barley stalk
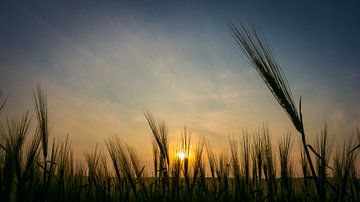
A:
x,y
198,168
214,167
40,102
259,55
12,142
235,166
342,171
219,181
160,135
175,177
64,169
345,177
27,177
323,150
246,149
92,160
307,188
185,145
285,146
113,147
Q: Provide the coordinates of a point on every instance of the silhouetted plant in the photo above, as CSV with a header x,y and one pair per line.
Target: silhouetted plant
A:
x,y
2,101
21,171
259,55
286,169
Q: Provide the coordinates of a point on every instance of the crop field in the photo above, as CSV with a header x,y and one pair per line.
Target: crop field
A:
x,y
33,168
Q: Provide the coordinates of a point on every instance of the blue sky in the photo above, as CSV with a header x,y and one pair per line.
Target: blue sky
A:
x,y
104,62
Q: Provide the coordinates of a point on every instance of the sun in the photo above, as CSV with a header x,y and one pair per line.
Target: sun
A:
x,y
181,155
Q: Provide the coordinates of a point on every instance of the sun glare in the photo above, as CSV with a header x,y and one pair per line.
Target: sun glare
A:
x,y
181,155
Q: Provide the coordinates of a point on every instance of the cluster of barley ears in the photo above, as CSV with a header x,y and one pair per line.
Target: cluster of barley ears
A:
x,y
251,171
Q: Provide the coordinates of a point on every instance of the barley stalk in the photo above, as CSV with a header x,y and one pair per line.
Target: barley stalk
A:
x,y
259,55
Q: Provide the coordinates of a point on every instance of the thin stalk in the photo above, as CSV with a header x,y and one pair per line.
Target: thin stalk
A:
x,y
2,101
261,58
42,117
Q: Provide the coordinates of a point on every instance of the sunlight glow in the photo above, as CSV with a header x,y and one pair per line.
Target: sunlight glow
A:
x,y
181,155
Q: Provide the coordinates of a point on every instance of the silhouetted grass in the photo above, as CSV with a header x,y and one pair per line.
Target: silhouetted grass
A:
x,y
246,173
286,169
260,56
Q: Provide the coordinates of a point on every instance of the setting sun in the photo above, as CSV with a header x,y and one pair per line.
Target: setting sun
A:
x,y
181,155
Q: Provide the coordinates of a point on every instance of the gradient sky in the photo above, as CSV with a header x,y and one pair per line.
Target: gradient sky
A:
x,y
104,62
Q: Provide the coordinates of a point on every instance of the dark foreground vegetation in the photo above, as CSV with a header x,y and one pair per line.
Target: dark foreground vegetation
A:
x,y
32,168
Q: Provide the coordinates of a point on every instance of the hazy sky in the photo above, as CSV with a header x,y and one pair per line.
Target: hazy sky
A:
x,y
104,62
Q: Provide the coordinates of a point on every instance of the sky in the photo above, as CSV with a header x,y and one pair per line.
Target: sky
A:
x,y
103,63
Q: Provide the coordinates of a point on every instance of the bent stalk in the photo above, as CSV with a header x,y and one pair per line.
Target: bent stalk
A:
x,y
259,55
